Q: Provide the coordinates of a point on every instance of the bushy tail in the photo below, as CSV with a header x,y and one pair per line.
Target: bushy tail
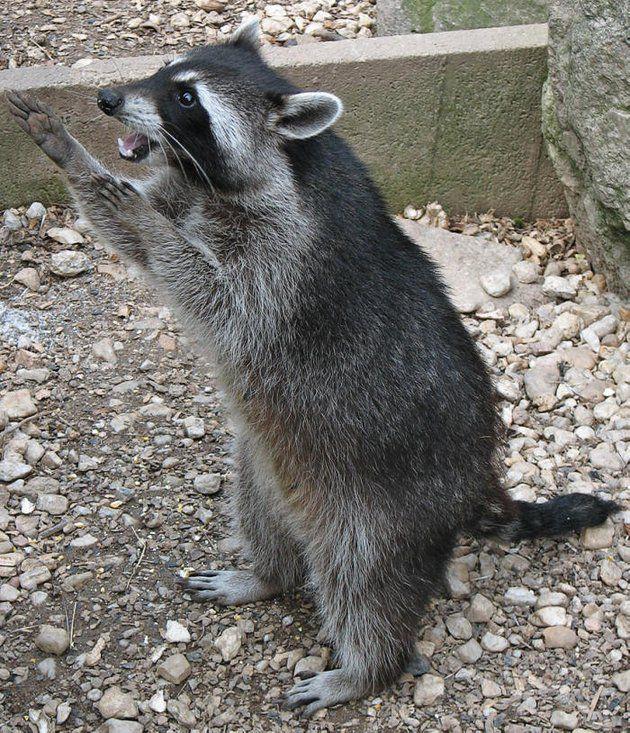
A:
x,y
569,513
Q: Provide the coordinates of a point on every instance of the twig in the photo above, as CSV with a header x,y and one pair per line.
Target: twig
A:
x,y
53,530
74,611
143,548
594,702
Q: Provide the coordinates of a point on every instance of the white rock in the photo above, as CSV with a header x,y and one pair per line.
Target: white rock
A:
x,y
83,542
481,610
27,506
526,271
36,211
157,703
549,616
115,725
18,405
493,643
69,263
470,652
428,688
208,483
604,456
489,688
104,349
229,643
65,235
176,633
609,572
8,593
622,680
496,283
63,712
459,627
559,287
180,20
175,669
520,597
598,538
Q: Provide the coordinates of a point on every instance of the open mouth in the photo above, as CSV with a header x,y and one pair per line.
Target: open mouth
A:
x,y
134,146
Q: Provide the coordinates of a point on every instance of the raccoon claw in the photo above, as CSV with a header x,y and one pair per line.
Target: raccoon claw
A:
x,y
42,124
322,691
228,587
116,193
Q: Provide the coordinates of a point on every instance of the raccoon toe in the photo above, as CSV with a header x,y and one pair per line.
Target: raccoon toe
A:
x,y
322,691
228,587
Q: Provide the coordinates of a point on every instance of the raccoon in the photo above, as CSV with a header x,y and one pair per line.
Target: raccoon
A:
x,y
367,431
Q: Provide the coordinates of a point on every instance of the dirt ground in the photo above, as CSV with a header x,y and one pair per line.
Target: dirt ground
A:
x,y
109,490
70,31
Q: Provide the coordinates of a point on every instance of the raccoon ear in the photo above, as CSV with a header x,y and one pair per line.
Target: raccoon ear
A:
x,y
247,35
306,114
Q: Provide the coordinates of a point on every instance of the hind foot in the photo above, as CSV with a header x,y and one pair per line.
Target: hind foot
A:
x,y
229,587
323,690
43,125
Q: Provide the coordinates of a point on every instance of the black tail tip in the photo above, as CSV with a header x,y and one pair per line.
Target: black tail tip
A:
x,y
564,514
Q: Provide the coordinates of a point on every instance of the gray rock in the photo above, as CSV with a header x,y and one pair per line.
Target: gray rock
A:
x,y
182,713
622,680
599,538
31,578
11,470
428,688
480,610
69,263
84,542
52,640
541,381
121,726
194,427
11,221
8,593
104,349
52,504
459,627
526,271
564,721
520,597
470,652
48,668
560,637
117,704
36,210
494,643
208,483
175,669
585,123
309,664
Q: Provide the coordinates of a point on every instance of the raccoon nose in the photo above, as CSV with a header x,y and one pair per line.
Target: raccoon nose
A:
x,y
109,101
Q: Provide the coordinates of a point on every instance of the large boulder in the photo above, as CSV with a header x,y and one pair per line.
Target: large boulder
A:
x,y
586,123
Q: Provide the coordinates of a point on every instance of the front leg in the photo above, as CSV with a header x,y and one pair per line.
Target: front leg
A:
x,y
115,208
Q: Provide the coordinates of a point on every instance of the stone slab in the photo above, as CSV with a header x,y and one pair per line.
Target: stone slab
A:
x,y
447,116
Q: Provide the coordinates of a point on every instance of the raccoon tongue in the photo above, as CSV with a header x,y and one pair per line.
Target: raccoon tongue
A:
x,y
131,143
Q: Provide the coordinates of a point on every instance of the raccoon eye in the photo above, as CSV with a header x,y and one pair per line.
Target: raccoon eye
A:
x,y
186,98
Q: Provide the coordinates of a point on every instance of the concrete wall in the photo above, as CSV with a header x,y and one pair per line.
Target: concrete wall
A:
x,y
448,116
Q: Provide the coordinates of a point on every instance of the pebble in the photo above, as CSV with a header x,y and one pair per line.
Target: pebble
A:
x,y
560,637
175,669
194,427
496,283
54,504
117,704
559,287
8,593
459,627
470,652
84,542
549,616
229,643
157,703
489,688
121,726
480,610
599,538
208,483
609,572
36,211
104,349
564,721
69,263
29,277
621,680
520,597
526,271
494,643
11,470
52,639
176,633
31,578
311,664
18,405
428,688
65,235
11,221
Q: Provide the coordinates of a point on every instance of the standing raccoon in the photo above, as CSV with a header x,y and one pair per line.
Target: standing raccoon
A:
x,y
367,427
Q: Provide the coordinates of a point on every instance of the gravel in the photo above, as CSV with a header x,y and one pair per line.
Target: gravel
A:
x,y
121,491
75,33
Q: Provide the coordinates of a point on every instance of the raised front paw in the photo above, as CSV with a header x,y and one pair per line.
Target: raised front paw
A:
x,y
43,125
120,196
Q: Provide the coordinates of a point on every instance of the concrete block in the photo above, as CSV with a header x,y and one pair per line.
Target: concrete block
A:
x,y
447,116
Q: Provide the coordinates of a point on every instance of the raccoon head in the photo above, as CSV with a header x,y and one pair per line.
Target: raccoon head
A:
x,y
219,114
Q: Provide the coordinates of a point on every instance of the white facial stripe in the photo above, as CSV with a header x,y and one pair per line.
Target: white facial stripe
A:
x,y
176,60
223,118
186,76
